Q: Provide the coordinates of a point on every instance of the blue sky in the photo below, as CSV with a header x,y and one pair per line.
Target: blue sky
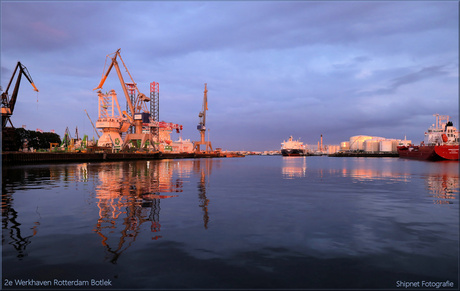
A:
x,y
273,68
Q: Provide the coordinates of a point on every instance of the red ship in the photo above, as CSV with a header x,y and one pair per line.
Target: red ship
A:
x,y
441,143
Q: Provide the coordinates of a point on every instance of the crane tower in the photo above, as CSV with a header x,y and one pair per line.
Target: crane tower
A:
x,y
111,124
155,108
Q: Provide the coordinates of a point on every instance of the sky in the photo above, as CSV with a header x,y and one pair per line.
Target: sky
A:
x,y
273,69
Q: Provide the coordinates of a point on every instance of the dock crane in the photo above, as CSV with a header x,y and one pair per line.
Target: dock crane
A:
x,y
138,108
202,125
8,102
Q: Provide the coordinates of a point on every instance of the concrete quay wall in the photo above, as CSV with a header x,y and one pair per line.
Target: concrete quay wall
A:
x,y
26,158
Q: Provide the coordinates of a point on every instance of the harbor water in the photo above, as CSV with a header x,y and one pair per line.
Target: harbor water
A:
x,y
259,222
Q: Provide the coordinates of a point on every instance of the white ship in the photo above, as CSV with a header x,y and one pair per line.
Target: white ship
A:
x,y
293,148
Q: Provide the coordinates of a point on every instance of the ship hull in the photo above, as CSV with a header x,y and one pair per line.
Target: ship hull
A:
x,y
292,152
447,152
433,153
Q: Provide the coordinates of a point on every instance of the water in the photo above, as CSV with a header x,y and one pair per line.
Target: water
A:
x,y
256,222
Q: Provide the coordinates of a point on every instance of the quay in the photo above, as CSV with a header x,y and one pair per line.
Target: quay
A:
x,y
37,157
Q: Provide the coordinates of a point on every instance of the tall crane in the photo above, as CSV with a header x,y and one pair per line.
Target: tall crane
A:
x,y
202,125
8,102
138,108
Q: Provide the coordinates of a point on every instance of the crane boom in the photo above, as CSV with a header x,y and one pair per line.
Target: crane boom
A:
x,y
139,99
120,77
23,70
104,77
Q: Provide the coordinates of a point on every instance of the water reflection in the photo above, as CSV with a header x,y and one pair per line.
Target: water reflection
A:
x,y
441,181
113,220
366,174
205,171
20,239
442,188
294,167
10,221
127,195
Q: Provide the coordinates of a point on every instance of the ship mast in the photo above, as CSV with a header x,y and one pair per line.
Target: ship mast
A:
x,y
441,120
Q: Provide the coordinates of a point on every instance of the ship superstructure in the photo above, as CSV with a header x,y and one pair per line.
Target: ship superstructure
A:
x,y
443,132
440,142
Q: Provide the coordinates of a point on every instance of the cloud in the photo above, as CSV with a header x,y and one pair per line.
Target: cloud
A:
x,y
273,68
413,77
424,73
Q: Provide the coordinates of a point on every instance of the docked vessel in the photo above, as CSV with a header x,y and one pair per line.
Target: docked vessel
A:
x,y
293,148
440,143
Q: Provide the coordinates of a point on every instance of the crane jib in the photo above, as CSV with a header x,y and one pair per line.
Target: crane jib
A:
x,y
8,105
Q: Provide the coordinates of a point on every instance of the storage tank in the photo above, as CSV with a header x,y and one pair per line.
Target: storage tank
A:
x,y
394,145
386,145
345,145
371,145
332,149
356,142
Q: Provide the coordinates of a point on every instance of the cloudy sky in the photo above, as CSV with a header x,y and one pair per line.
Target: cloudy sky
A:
x,y
273,68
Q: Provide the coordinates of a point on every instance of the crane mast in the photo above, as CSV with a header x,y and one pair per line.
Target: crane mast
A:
x,y
202,125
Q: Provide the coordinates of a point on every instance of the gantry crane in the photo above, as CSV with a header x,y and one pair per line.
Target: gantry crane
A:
x,y
8,102
138,108
202,125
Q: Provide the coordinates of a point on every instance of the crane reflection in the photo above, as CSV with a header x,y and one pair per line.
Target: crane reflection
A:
x,y
19,238
203,167
128,197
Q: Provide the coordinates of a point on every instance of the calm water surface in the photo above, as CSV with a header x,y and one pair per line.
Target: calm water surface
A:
x,y
256,222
